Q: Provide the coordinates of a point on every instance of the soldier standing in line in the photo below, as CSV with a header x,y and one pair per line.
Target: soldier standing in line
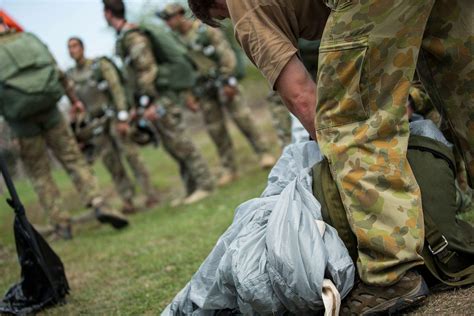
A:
x,y
99,86
158,71
217,89
31,84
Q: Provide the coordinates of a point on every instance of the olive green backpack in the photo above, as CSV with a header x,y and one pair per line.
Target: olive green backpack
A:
x,y
177,71
449,242
29,79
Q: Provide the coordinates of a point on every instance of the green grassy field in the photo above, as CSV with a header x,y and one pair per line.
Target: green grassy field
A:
x,y
138,271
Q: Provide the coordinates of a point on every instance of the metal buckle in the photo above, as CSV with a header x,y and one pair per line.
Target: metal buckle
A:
x,y
441,248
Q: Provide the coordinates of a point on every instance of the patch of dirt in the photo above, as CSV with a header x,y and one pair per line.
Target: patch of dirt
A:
x,y
452,302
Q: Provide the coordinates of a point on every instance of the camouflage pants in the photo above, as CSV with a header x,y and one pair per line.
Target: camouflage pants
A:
x,y
281,118
138,166
367,60
214,117
193,168
111,155
62,144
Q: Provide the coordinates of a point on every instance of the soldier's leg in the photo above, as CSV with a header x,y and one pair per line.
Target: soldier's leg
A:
x,y
215,121
367,61
446,68
179,144
63,144
111,157
242,116
139,168
34,155
281,118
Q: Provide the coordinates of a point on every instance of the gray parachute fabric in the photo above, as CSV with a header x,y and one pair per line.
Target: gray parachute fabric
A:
x,y
277,253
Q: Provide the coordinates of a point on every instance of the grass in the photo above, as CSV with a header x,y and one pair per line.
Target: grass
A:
x,y
140,270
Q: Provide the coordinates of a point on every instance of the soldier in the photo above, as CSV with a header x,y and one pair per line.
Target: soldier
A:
x,y
217,88
99,86
31,85
367,59
159,72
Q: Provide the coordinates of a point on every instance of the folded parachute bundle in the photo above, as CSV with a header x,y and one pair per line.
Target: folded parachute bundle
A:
x,y
277,256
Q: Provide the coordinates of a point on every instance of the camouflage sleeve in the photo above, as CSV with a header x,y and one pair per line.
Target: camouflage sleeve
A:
x,y
68,86
227,59
140,52
117,91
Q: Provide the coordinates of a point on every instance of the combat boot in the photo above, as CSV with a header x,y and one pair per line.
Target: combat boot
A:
x,y
227,177
128,208
152,200
196,196
63,231
267,161
385,300
107,216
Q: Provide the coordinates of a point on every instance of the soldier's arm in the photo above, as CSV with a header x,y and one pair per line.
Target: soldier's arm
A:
x,y
298,91
68,86
140,52
227,58
117,91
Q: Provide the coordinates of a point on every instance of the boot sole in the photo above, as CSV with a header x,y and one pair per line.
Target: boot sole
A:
x,y
396,305
115,221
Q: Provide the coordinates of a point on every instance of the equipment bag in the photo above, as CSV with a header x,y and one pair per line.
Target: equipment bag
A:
x,y
449,242
176,70
29,79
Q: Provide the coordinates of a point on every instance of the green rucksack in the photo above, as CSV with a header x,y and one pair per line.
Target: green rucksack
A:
x,y
449,242
123,80
176,69
29,79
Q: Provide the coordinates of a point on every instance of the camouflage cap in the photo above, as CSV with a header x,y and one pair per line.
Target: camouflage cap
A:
x,y
171,10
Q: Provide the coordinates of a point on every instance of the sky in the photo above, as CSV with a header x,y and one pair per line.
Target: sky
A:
x,y
54,21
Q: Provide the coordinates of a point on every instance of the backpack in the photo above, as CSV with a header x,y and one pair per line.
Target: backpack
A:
x,y
29,78
449,242
123,80
176,69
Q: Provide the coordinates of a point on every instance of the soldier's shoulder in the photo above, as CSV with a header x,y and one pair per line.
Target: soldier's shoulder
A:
x,y
134,36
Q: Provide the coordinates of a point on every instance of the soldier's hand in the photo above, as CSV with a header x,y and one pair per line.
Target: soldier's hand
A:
x,y
192,103
151,113
76,108
230,92
122,128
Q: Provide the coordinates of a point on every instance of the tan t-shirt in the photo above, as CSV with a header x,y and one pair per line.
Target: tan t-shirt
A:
x,y
268,30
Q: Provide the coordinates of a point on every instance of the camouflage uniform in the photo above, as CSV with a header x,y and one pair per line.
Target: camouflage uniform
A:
x,y
281,118
421,103
367,60
135,49
136,163
216,60
34,154
98,85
